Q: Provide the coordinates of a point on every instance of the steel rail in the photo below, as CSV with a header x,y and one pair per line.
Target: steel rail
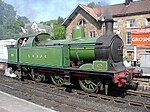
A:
x,y
93,95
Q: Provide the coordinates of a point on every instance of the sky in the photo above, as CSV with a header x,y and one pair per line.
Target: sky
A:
x,y
45,10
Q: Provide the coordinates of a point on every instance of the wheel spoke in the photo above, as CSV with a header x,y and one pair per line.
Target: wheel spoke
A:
x,y
57,79
37,77
92,83
92,87
61,79
86,86
89,85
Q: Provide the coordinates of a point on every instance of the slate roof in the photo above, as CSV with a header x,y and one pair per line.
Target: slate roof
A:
x,y
142,6
88,9
136,7
41,26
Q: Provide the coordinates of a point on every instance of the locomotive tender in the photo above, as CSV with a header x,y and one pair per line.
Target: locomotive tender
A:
x,y
95,63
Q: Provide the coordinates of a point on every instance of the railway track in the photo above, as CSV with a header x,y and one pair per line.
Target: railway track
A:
x,y
121,100
144,83
111,98
31,92
51,95
51,90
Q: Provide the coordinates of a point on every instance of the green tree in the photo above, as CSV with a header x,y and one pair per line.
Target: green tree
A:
x,y
7,12
60,20
22,20
10,25
30,31
58,31
49,23
91,4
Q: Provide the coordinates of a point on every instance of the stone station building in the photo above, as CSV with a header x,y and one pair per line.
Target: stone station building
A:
x,y
128,15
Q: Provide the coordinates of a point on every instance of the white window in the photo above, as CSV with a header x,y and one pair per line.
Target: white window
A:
x,y
148,22
130,54
128,38
148,51
92,34
82,22
130,23
115,25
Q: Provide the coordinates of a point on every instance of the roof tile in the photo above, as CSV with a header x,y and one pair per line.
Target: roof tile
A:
x,y
90,10
117,9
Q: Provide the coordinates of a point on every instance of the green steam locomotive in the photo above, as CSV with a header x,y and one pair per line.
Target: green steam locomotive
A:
x,y
96,63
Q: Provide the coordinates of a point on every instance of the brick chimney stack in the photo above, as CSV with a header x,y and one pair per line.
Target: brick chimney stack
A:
x,y
127,2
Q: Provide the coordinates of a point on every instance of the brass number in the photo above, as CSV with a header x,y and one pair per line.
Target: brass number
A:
x,y
100,66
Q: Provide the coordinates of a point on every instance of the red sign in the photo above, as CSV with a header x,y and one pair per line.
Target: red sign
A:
x,y
140,30
140,36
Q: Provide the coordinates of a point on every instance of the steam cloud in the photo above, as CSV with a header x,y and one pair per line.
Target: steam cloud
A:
x,y
8,73
106,10
44,10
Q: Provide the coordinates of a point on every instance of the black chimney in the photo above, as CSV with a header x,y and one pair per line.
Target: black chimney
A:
x,y
127,2
109,26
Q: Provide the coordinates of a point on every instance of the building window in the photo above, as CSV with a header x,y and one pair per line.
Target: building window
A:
x,y
128,38
92,34
130,54
148,51
131,23
82,22
148,22
115,25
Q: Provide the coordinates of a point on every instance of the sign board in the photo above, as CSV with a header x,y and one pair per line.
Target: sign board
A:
x,y
140,36
7,42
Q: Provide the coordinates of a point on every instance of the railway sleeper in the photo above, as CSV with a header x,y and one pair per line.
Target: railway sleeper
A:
x,y
119,100
147,106
134,103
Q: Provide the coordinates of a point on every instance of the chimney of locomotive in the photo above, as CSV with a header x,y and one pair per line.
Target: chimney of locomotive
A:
x,y
109,26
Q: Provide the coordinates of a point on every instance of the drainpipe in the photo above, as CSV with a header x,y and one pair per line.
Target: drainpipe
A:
x,y
135,54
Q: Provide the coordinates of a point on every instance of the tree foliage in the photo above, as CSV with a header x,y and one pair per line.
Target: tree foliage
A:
x,y
57,31
30,31
60,20
7,12
49,23
91,4
22,20
10,25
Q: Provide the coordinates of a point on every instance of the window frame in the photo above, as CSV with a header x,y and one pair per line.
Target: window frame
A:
x,y
131,23
148,22
82,22
92,34
115,25
128,38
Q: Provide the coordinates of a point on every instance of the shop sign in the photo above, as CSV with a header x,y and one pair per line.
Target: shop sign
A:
x,y
140,36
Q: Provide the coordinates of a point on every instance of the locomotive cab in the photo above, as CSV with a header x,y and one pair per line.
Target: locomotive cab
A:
x,y
32,40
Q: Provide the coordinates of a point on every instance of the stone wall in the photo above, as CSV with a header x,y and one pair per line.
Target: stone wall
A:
x,y
122,25
144,84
